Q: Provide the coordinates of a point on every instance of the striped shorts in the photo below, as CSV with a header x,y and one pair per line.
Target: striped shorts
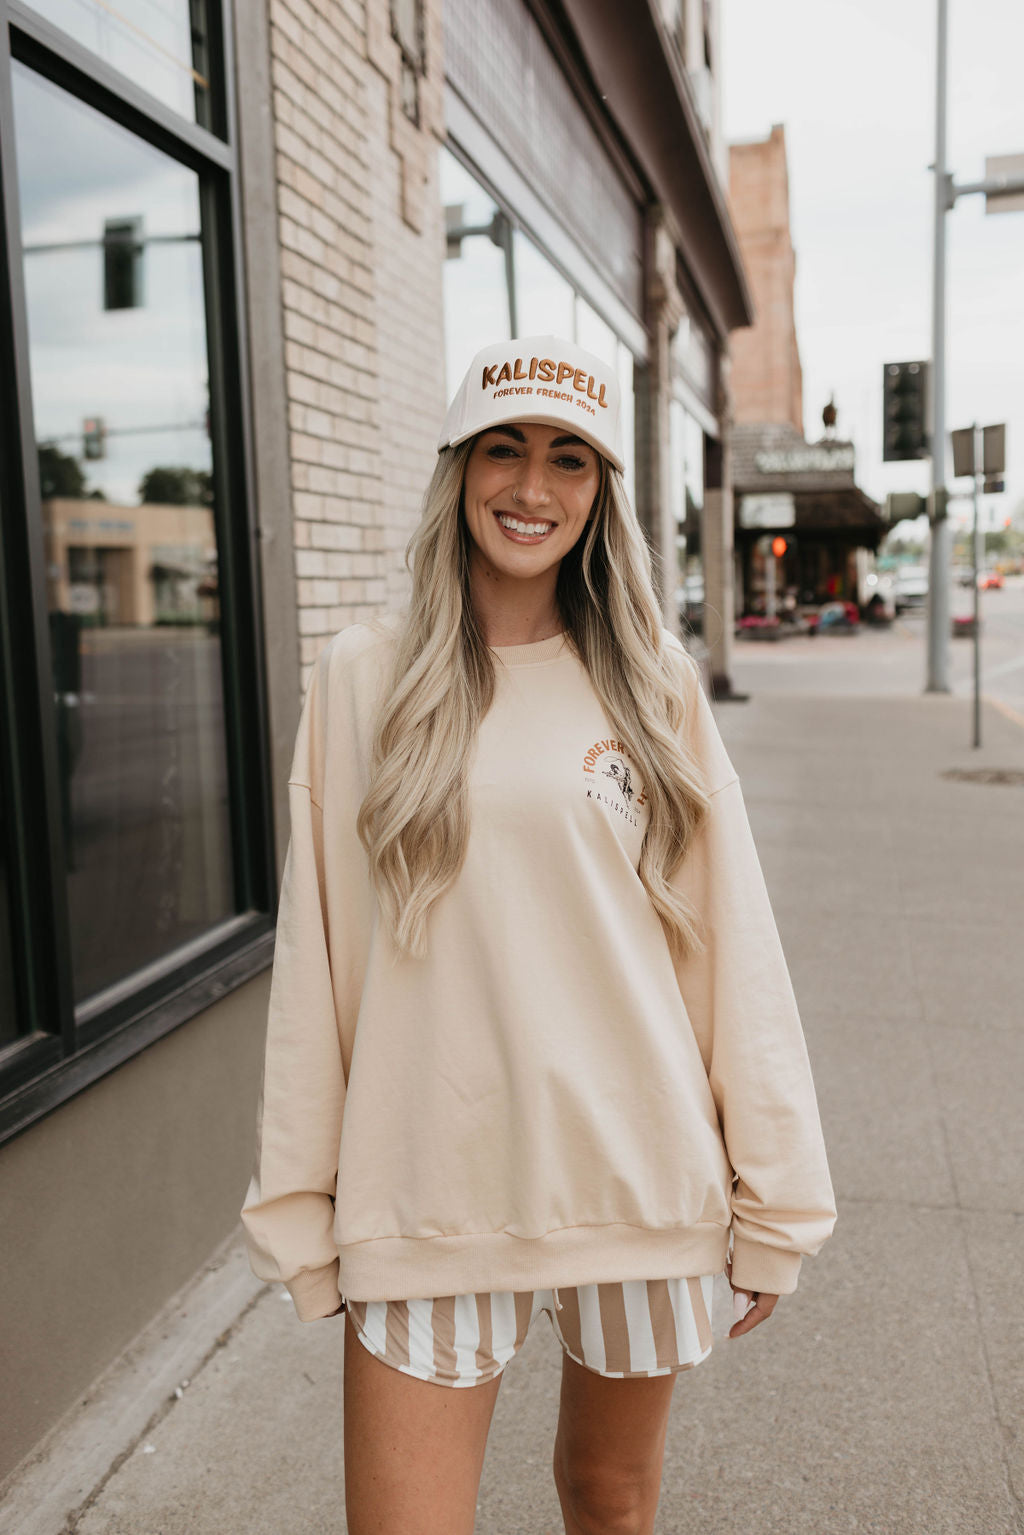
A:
x,y
628,1328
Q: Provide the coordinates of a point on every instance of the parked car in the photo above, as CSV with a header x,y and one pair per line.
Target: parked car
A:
x,y
990,581
911,587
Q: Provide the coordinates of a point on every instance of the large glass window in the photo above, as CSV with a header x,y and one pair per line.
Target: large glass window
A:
x,y
545,302
114,284
476,293
10,1023
133,767
687,490
161,45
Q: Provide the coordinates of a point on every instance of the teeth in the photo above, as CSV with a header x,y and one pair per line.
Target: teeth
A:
x,y
524,527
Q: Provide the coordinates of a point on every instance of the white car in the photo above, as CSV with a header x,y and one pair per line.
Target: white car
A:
x,y
911,587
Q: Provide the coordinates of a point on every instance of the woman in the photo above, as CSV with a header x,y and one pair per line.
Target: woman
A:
x,y
532,1041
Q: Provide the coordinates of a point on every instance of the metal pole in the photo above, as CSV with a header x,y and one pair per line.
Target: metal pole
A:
x,y
978,450
938,552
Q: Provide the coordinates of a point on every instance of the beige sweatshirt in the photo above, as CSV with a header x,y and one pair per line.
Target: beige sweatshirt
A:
x,y
545,1099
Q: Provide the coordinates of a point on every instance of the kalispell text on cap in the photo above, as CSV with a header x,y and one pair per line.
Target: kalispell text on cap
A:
x,y
543,379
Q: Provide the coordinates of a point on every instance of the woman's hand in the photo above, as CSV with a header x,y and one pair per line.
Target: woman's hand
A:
x,y
764,1305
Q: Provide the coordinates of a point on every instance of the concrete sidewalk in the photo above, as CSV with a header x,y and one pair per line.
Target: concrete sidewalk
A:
x,y
887,1394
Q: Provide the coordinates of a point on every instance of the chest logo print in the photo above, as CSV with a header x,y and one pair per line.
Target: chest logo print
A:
x,y
607,759
618,769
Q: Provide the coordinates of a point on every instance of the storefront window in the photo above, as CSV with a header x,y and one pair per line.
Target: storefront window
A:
x,y
113,266
476,296
9,1021
626,369
161,47
687,490
544,300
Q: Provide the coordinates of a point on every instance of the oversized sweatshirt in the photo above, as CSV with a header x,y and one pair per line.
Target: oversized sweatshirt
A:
x,y
546,1099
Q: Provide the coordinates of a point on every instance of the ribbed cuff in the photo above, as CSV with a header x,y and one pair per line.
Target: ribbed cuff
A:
x,y
315,1292
756,1267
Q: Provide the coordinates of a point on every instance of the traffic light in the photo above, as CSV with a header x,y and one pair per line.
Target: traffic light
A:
x,y
905,411
94,437
122,263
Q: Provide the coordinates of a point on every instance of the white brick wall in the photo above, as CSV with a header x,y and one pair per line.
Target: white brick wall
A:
x,y
361,234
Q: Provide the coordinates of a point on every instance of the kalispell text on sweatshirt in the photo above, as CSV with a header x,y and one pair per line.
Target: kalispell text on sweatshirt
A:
x,y
546,1099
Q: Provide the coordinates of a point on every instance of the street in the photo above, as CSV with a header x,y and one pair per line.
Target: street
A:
x,y
893,660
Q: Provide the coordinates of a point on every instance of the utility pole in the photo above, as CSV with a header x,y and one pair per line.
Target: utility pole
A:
x,y
981,453
938,547
977,560
1003,184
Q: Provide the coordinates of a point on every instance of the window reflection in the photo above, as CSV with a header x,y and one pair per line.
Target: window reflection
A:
x,y
117,335
476,307
9,1022
687,490
595,335
544,300
161,45
627,384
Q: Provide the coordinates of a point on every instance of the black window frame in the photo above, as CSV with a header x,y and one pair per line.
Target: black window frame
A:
x,y
65,1048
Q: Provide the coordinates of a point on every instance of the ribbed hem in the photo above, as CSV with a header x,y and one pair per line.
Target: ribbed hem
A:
x,y
315,1292
409,1268
756,1267
534,654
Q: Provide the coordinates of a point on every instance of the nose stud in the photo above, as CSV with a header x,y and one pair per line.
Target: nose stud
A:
x,y
515,497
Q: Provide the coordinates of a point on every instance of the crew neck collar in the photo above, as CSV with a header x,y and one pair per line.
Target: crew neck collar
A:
x,y
533,654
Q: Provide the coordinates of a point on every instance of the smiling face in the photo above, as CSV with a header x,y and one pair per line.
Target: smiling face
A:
x,y
527,495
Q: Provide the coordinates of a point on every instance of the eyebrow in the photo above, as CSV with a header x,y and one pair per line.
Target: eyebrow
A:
x,y
556,442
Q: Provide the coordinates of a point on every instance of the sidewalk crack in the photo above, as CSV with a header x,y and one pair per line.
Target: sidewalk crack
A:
x,y
73,1522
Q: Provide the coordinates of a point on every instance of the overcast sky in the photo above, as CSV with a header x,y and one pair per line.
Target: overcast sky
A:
x,y
854,83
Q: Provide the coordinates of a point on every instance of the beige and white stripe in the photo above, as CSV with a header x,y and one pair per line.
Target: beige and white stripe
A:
x,y
629,1328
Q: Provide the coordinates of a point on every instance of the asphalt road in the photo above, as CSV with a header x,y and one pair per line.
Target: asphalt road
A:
x,y
879,662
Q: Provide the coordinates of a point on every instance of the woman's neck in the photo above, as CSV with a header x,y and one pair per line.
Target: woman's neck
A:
x,y
518,622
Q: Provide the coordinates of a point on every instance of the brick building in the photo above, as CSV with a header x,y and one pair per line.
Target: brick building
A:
x,y
244,255
767,381
784,486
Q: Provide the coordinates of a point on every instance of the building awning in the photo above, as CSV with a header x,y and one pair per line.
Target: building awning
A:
x,y
783,483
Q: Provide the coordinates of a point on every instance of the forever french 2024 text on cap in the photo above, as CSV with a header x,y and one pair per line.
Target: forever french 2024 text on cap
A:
x,y
543,379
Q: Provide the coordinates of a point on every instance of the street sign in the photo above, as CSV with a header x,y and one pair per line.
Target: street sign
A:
x,y
901,504
1007,168
768,511
993,453
994,449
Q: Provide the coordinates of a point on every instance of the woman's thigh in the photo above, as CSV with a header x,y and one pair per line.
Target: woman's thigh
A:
x,y
610,1447
414,1450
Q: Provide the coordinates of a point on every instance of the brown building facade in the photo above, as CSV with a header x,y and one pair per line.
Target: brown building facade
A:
x,y
767,381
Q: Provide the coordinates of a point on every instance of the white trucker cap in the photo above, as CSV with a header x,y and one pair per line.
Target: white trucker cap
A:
x,y
542,379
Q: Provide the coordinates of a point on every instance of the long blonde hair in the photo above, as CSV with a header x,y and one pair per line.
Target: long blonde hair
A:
x,y
414,821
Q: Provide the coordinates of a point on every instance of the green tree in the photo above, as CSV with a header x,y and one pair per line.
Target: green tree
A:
x,y
60,474
167,485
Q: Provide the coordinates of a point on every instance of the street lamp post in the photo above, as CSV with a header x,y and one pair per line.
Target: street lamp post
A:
x,y
1001,196
938,548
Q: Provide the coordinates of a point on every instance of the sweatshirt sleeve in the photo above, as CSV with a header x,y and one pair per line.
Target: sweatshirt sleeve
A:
x,y
740,1001
288,1213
